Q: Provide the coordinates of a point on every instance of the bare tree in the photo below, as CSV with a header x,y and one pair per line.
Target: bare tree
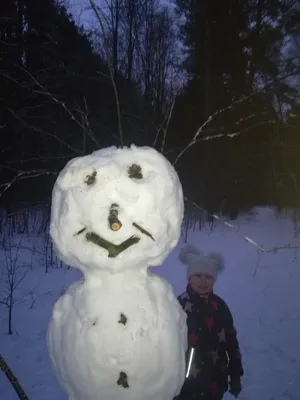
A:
x,y
143,47
109,15
114,14
131,24
13,271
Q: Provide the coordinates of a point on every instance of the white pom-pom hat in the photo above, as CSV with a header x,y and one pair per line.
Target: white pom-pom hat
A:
x,y
198,263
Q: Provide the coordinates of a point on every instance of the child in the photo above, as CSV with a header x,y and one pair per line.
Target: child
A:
x,y
211,331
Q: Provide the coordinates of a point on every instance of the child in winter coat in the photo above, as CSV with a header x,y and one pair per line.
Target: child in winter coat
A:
x,y
211,331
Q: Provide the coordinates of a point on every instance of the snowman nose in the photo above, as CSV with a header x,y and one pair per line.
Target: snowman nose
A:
x,y
113,221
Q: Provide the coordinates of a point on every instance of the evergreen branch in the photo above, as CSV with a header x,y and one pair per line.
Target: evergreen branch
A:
x,y
111,69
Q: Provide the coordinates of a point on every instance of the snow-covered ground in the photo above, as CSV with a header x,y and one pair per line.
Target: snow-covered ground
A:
x,y
262,289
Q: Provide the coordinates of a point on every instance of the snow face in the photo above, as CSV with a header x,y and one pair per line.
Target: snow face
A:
x,y
124,340
116,209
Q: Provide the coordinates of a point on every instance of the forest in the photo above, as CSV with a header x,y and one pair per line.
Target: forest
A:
x,y
212,84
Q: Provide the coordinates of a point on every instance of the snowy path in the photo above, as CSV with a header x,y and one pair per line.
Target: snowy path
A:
x,y
262,291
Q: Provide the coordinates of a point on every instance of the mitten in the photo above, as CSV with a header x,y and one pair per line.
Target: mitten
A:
x,y
235,386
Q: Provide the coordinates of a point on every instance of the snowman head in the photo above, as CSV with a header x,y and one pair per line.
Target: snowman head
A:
x,y
116,209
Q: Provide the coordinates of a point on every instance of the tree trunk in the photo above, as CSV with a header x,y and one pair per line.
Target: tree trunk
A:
x,y
10,308
207,61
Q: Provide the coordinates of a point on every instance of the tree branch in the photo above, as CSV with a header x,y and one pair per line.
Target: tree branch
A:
x,y
39,130
212,117
167,126
262,249
236,133
20,176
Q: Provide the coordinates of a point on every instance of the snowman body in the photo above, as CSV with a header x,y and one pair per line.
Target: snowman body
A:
x,y
120,333
107,344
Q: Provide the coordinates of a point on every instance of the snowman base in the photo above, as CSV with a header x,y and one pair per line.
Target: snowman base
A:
x,y
108,345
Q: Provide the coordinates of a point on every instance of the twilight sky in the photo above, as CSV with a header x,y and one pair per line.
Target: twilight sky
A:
x,y
83,15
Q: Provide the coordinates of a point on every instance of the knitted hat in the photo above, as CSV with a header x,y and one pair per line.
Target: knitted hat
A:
x,y
197,263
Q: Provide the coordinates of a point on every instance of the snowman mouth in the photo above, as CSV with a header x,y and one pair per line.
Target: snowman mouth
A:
x,y
114,249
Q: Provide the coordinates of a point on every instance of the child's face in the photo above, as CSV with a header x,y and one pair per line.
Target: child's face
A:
x,y
202,283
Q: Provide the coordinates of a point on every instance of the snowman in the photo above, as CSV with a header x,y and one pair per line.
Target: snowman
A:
x,y
119,333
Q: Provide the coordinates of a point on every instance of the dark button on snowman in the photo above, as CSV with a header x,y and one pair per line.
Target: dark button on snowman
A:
x,y
119,333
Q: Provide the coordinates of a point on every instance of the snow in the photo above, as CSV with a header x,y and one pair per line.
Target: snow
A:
x,y
120,332
91,346
261,289
89,186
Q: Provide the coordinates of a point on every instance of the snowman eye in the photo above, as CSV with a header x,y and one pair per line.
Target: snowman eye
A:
x,y
91,179
135,171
